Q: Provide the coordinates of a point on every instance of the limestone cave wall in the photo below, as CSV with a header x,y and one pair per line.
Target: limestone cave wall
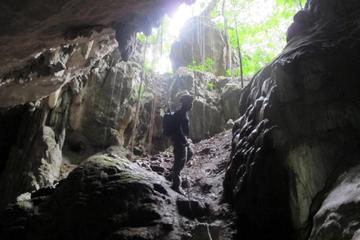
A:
x,y
67,88
66,92
299,130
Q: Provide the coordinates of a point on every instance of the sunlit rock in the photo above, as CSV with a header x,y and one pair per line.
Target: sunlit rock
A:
x,y
200,42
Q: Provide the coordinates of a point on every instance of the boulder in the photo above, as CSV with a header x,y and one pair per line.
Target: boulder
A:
x,y
205,120
106,197
229,100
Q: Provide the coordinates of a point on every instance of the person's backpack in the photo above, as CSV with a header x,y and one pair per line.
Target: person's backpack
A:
x,y
168,123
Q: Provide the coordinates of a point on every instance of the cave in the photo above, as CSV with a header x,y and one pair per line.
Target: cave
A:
x,y
274,125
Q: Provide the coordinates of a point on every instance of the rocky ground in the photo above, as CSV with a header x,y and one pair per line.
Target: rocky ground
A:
x,y
109,197
202,180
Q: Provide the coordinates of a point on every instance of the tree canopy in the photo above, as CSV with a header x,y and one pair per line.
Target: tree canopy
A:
x,y
261,27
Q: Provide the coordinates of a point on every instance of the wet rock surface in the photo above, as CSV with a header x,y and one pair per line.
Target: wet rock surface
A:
x,y
108,197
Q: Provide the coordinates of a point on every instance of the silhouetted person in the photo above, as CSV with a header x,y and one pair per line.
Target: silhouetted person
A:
x,y
182,150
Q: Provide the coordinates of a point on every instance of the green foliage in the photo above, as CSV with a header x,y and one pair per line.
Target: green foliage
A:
x,y
261,37
207,66
148,67
141,37
229,73
261,26
210,85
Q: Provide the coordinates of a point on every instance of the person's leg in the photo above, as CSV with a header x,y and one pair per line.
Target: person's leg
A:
x,y
179,163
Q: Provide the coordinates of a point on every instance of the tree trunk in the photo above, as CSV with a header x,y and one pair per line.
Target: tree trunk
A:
x,y
239,55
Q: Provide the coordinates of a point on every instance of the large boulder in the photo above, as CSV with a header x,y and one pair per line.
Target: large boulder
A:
x,y
106,197
299,127
199,40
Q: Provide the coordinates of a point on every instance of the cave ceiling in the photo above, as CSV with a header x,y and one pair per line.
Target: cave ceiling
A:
x,y
29,26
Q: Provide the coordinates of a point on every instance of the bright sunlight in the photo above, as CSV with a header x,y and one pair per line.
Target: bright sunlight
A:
x,y
261,27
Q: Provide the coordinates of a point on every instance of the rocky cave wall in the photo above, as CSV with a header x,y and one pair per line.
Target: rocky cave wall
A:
x,y
294,151
60,60
299,132
70,101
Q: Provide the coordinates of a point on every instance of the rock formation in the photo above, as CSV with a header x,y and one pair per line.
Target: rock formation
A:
x,y
56,58
299,131
109,197
68,85
33,34
199,41
215,100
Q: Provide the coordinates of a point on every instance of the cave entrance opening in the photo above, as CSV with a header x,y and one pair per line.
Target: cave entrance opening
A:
x,y
230,39
252,32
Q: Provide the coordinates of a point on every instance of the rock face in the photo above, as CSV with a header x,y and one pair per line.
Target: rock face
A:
x,y
199,40
38,39
27,27
337,217
108,197
33,157
105,197
104,107
51,69
91,111
299,127
214,104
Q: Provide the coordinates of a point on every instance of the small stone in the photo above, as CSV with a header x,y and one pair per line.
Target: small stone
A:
x,y
205,151
138,151
157,169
